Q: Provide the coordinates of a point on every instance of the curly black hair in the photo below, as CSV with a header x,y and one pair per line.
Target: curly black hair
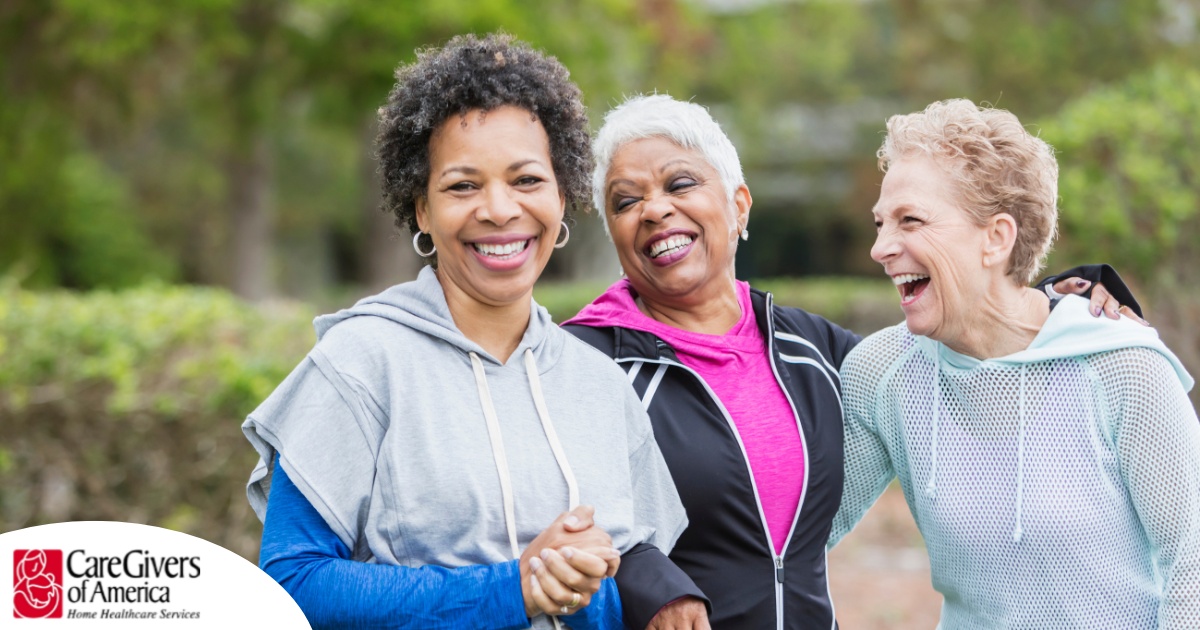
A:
x,y
483,73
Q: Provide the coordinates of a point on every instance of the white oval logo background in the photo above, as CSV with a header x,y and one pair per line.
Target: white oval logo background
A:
x,y
229,592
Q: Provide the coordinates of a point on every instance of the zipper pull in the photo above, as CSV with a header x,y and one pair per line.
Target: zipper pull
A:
x,y
779,569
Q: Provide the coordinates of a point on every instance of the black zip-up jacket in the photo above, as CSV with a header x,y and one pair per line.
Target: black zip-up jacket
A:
x,y
726,550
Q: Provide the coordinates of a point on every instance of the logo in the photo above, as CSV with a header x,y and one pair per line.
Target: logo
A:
x,y
37,583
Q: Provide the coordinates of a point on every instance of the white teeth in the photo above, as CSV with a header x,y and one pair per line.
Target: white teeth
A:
x,y
669,245
507,249
908,277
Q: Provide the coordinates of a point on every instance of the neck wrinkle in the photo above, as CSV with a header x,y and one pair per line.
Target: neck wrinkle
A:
x,y
1005,322
712,316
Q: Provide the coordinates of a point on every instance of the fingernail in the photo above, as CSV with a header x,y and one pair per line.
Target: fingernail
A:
x,y
567,552
616,552
545,554
571,520
1096,311
1081,283
535,564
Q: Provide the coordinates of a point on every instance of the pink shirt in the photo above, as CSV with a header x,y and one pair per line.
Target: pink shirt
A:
x,y
736,367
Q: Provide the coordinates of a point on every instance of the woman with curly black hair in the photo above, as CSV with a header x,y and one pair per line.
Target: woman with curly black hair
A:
x,y
428,463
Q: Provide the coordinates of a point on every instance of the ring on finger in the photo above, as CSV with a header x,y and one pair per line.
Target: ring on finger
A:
x,y
575,597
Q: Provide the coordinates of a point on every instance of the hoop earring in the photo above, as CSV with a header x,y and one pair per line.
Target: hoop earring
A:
x,y
566,230
417,247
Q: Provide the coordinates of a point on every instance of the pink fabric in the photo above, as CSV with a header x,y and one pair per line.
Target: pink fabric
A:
x,y
735,365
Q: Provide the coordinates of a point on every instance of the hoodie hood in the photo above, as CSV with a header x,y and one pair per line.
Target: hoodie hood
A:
x,y
1070,331
421,306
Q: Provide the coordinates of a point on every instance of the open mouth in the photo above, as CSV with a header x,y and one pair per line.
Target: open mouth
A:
x,y
501,251
670,245
910,285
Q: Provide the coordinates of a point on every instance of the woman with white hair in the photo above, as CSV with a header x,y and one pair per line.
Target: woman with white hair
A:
x,y
744,395
1050,459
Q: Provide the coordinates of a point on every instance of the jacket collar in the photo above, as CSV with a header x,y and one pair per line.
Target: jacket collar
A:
x,y
637,345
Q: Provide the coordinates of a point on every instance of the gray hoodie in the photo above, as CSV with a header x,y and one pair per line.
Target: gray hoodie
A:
x,y
384,427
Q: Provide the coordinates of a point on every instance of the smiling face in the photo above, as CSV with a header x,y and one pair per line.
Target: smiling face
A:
x,y
493,206
672,223
930,248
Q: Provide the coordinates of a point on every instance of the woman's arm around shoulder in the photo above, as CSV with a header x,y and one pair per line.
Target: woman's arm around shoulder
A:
x,y
867,466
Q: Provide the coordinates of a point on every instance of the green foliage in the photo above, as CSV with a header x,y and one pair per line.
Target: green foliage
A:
x,y
69,220
126,405
1130,175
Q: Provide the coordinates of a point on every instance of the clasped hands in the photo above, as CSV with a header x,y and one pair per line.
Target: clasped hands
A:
x,y
563,567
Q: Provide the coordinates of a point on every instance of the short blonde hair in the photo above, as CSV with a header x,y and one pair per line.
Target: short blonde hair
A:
x,y
996,165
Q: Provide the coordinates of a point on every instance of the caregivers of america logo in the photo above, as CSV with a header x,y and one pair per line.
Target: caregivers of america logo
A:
x,y
37,583
126,583
83,573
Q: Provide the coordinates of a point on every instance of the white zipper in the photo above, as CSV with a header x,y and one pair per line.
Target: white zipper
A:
x,y
807,463
779,591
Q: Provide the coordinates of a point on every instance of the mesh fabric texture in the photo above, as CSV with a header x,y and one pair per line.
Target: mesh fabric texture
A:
x,y
1060,493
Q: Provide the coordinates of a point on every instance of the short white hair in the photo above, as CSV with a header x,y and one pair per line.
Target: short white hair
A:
x,y
659,116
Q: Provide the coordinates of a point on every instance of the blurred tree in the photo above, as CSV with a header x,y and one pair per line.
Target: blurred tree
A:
x,y
1130,174
805,88
64,213
228,130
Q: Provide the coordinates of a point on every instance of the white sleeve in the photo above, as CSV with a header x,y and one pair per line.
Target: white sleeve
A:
x,y
868,467
1157,439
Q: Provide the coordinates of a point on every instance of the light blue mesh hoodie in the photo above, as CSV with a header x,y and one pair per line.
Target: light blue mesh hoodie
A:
x,y
1057,487
418,448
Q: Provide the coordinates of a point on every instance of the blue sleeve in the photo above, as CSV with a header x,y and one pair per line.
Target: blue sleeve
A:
x,y
603,613
302,553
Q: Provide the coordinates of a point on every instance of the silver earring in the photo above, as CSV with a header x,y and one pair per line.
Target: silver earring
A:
x,y
745,234
417,247
566,230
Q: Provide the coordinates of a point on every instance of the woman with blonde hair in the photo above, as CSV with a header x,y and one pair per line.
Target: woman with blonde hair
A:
x,y
1051,459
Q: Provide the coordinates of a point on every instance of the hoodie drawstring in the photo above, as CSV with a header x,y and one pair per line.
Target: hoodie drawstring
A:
x,y
535,386
498,452
1017,530
931,486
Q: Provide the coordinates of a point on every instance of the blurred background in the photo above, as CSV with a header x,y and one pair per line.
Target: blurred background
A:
x,y
184,185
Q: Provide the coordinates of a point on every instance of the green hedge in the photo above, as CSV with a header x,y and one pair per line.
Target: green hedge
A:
x,y
127,405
